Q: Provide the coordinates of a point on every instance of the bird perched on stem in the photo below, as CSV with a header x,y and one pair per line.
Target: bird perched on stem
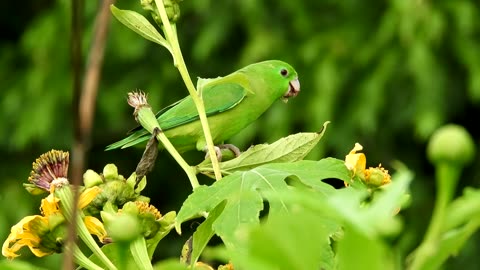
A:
x,y
231,104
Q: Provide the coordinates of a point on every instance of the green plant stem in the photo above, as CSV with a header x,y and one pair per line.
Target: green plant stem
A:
x,y
83,261
66,197
447,176
172,38
192,177
147,120
138,248
122,253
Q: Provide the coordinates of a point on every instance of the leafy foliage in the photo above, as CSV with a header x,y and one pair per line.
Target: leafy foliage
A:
x,y
384,76
288,149
243,191
316,220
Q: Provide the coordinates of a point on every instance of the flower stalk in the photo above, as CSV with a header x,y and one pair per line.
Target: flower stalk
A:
x,y
83,261
66,197
146,118
172,38
138,248
449,150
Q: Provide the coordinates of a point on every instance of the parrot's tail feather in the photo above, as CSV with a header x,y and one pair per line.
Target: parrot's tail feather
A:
x,y
136,141
134,138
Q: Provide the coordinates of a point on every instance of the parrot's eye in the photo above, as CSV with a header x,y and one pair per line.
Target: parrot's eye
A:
x,y
284,72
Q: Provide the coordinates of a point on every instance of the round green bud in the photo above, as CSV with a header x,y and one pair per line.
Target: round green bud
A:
x,y
110,171
376,177
91,179
123,228
451,144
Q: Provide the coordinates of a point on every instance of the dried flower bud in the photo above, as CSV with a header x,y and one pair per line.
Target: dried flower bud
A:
x,y
143,112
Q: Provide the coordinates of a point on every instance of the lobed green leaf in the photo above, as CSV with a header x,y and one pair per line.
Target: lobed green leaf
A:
x,y
288,149
243,193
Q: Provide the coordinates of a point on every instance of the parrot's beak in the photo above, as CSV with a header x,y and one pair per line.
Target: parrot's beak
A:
x,y
293,89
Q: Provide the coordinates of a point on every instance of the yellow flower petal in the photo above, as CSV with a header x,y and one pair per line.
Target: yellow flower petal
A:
x,y
95,227
356,162
87,196
49,205
39,252
20,236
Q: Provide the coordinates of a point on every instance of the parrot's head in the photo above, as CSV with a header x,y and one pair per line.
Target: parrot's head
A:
x,y
281,78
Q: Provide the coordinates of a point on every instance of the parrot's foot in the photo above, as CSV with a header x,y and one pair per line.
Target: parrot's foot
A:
x,y
218,150
231,147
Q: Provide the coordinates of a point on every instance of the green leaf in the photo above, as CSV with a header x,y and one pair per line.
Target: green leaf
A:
x,y
140,25
289,149
357,250
118,253
18,265
167,223
243,193
378,216
450,244
204,233
170,264
463,209
297,240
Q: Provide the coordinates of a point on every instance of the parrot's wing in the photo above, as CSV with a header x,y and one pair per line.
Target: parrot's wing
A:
x,y
217,98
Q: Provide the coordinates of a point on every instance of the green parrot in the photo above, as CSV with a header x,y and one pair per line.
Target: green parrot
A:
x,y
231,103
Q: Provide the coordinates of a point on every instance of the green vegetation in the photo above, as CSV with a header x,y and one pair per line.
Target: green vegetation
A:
x,y
386,75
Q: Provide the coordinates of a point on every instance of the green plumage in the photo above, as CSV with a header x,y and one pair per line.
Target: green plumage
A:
x,y
231,103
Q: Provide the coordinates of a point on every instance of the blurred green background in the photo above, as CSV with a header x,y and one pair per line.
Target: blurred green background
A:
x,y
386,74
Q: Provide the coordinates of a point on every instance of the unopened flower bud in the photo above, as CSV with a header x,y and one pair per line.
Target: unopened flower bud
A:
x,y
121,227
377,176
451,144
173,10
91,178
110,171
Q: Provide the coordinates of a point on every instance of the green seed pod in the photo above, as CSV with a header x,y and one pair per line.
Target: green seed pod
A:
x,y
451,144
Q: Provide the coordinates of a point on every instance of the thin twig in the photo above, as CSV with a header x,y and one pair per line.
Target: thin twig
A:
x,y
84,99
77,159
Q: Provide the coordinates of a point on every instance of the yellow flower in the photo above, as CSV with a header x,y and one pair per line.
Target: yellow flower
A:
x,y
357,163
94,225
44,234
31,231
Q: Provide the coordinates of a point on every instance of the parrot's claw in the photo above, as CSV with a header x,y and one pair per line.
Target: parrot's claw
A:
x,y
231,147
218,150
